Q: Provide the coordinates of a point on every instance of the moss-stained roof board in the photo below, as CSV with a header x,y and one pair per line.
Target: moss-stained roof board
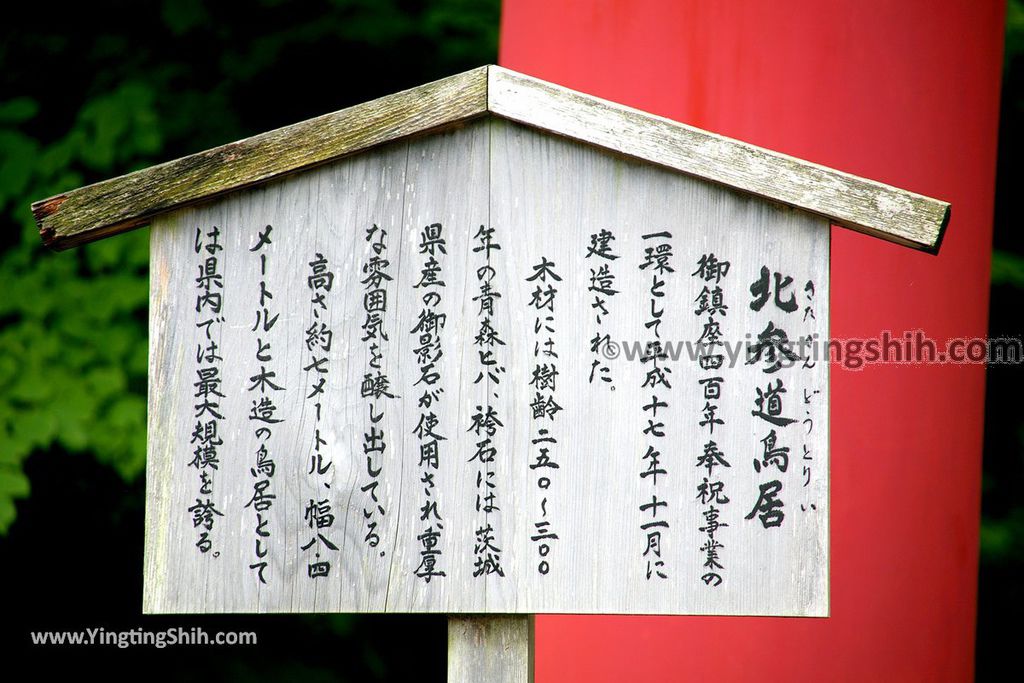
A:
x,y
106,208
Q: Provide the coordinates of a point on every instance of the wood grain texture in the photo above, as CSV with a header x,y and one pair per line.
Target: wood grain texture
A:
x,y
113,206
130,201
863,205
555,194
544,196
492,649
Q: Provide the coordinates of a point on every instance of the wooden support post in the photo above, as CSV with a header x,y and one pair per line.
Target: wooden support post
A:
x,y
496,649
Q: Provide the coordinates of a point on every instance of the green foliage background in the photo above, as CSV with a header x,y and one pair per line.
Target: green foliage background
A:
x,y
114,86
98,89
1000,589
92,90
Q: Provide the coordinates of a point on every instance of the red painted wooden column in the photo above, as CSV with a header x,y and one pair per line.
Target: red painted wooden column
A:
x,y
902,92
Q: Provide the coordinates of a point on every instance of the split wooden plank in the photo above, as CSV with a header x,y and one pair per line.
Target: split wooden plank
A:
x,y
863,205
113,206
130,201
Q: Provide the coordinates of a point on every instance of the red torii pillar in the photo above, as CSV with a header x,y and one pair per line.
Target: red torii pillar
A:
x,y
902,92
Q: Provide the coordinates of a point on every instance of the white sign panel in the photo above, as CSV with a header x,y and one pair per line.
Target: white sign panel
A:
x,y
490,370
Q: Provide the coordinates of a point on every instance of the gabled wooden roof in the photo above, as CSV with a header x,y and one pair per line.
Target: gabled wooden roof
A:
x,y
130,201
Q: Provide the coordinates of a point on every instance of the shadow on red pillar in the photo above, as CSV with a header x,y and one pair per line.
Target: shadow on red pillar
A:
x,y
901,92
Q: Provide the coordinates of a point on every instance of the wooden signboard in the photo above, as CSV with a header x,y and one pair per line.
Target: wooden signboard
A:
x,y
426,378
489,346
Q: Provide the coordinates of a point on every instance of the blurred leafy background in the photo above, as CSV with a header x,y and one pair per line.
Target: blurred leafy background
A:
x,y
102,88
92,90
1001,571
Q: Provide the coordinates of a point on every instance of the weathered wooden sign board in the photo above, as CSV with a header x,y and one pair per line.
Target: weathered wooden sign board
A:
x,y
499,348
